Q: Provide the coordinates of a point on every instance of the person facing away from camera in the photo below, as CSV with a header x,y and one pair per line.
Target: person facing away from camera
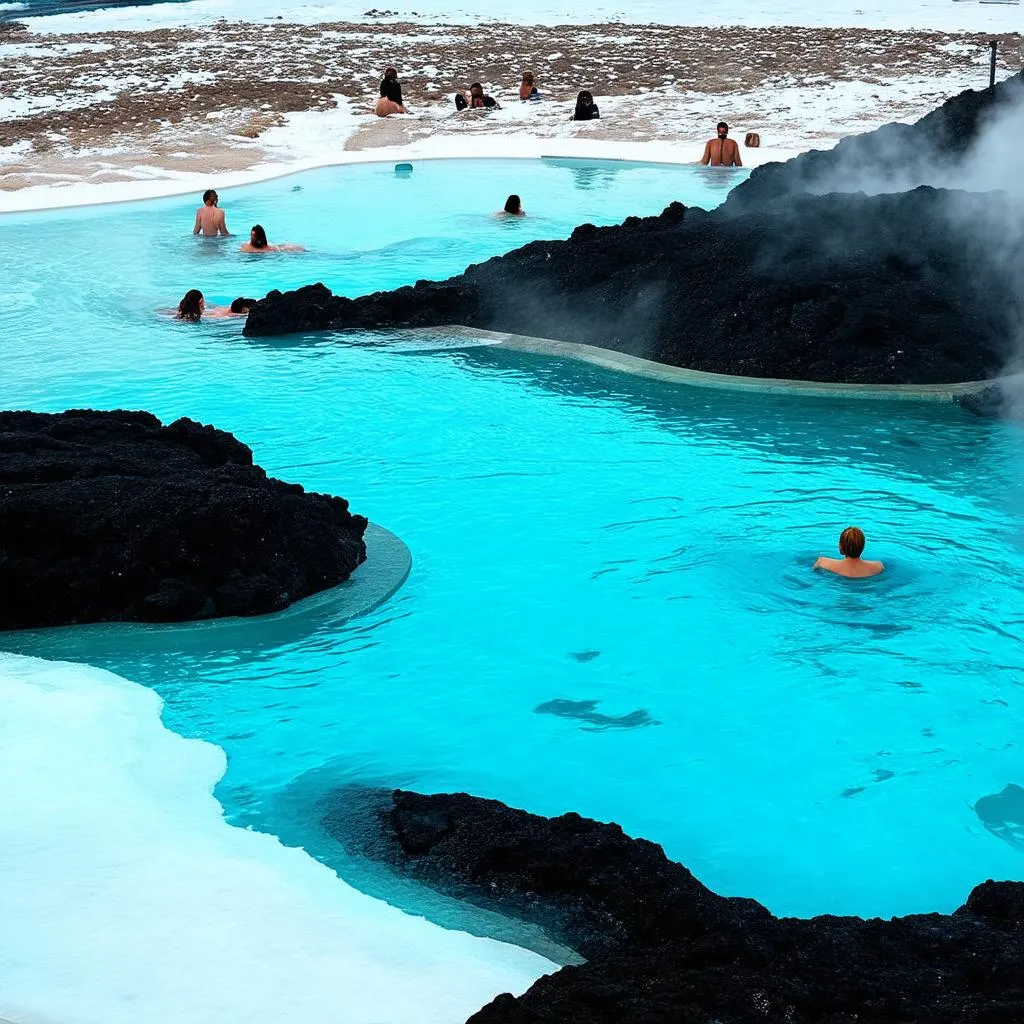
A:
x,y
210,220
390,101
851,565
721,151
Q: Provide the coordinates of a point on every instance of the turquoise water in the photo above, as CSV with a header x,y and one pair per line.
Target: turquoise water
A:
x,y
577,536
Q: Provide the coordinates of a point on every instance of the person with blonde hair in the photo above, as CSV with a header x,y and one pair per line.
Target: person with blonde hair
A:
x,y
528,87
851,565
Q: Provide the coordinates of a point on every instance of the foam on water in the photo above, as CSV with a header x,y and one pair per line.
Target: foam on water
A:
x,y
128,898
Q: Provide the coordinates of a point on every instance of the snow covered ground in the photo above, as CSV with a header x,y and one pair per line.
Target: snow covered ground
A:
x,y
936,15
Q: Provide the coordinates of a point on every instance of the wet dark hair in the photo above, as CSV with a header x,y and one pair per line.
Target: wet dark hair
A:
x,y
513,204
390,73
476,85
528,77
241,305
210,193
260,241
851,542
188,308
585,97
722,124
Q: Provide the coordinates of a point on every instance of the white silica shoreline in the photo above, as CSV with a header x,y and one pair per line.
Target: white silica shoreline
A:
x,y
127,897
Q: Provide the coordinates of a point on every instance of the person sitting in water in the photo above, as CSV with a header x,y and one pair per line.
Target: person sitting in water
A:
x,y
193,308
586,108
258,243
390,101
241,307
209,219
528,88
851,565
477,100
513,207
722,151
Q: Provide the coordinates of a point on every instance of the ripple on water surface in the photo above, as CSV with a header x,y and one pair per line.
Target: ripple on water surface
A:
x,y
631,556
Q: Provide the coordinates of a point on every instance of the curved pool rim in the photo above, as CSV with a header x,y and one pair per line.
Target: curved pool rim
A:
x,y
387,567
636,366
362,158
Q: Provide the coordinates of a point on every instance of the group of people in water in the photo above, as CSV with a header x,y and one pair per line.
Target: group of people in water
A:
x,y
211,223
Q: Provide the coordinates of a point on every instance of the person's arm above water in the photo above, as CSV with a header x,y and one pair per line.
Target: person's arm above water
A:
x,y
595,113
222,224
199,221
706,158
736,161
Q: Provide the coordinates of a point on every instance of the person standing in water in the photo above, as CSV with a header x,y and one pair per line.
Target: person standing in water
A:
x,y
851,565
722,151
210,220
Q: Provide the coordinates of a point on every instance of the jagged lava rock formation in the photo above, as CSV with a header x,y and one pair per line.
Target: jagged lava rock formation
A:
x,y
111,516
663,949
901,288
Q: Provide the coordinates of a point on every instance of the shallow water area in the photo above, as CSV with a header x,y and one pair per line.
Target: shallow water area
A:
x,y
611,608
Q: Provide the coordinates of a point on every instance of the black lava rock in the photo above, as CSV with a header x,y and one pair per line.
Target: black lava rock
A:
x,y
664,949
895,156
922,286
847,288
111,516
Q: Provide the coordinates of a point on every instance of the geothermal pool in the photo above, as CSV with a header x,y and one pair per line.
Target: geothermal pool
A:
x,y
611,608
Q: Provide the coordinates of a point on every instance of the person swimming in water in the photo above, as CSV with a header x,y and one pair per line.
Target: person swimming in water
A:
x,y
210,220
193,308
722,151
390,101
851,565
258,243
586,108
241,306
513,207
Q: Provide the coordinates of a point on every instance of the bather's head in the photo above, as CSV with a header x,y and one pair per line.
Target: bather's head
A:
x,y
241,305
723,129
391,74
851,542
191,306
210,197
258,237
514,205
528,78
585,99
476,90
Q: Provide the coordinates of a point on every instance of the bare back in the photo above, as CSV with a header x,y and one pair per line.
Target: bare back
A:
x,y
722,153
851,568
210,222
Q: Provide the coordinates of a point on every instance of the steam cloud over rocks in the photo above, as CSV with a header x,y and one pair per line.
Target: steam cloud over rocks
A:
x,y
800,274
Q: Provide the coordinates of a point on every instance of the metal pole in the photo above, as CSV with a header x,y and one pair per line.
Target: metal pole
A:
x,y
992,63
